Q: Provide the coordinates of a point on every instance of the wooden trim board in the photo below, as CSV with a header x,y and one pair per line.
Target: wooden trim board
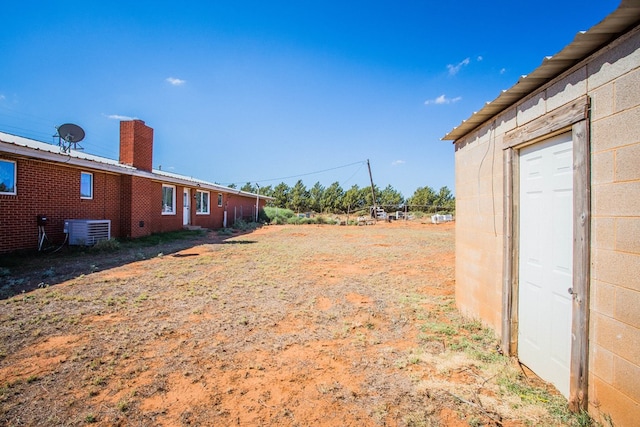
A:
x,y
573,116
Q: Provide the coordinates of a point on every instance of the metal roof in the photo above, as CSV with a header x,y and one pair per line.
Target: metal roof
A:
x,y
18,145
625,17
46,149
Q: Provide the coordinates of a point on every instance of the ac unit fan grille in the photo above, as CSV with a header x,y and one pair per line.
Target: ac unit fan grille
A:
x,y
88,232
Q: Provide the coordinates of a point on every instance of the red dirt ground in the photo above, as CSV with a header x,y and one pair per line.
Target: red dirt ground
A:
x,y
287,325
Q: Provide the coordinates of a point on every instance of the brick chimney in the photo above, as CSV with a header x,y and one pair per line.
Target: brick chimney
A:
x,y
136,144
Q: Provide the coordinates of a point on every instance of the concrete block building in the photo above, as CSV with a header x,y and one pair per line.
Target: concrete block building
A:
x,y
548,218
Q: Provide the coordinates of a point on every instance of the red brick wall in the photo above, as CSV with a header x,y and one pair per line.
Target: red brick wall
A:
x,y
133,204
137,206
136,144
241,207
214,219
53,191
162,223
235,204
125,205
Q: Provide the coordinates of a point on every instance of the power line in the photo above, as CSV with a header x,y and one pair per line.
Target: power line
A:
x,y
300,175
31,126
354,174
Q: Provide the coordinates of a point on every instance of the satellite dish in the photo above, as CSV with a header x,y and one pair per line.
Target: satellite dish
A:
x,y
70,134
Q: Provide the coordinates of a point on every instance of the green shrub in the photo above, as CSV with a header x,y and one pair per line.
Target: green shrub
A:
x,y
296,220
332,221
276,215
320,219
279,220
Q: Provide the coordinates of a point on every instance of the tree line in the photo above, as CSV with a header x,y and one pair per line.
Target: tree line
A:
x,y
334,199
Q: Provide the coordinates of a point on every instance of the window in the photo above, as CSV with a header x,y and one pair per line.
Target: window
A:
x,y
86,185
202,202
7,177
168,199
219,200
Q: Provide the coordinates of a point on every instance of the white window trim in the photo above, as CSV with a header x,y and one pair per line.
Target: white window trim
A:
x,y
15,178
198,196
90,190
220,200
173,207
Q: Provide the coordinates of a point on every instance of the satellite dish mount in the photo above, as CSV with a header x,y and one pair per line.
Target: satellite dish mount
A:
x,y
69,135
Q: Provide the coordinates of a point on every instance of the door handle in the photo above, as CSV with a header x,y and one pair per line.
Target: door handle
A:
x,y
574,296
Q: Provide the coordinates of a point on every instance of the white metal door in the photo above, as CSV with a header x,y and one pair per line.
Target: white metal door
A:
x,y
546,259
186,203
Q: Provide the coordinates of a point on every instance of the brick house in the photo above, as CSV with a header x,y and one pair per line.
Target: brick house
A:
x,y
38,179
548,218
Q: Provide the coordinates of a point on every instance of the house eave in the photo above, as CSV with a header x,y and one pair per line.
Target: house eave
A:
x,y
63,158
17,146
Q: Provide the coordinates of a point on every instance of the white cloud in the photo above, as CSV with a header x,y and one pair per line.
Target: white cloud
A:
x,y
503,70
455,69
119,117
480,58
175,81
398,162
442,99
2,96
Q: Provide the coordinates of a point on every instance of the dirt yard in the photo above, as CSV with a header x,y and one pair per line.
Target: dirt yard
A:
x,y
284,326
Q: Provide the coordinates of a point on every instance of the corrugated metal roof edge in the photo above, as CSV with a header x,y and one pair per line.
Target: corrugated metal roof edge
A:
x,y
618,22
21,146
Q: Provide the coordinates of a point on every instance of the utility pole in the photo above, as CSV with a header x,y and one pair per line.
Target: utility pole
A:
x,y
373,193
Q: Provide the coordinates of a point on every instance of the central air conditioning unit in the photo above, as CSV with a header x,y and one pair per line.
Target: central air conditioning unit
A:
x,y
87,232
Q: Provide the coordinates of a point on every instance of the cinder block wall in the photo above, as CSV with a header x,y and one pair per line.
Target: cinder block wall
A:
x,y
479,224
613,81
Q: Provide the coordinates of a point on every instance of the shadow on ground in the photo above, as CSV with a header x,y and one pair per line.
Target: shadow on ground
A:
x,y
25,272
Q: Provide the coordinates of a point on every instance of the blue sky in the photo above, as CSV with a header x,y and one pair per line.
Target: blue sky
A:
x,y
262,91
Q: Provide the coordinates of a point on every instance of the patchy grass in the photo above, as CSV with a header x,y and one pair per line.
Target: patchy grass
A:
x,y
24,272
287,325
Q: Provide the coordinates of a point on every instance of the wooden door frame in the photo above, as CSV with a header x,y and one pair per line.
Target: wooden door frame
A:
x,y
574,118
